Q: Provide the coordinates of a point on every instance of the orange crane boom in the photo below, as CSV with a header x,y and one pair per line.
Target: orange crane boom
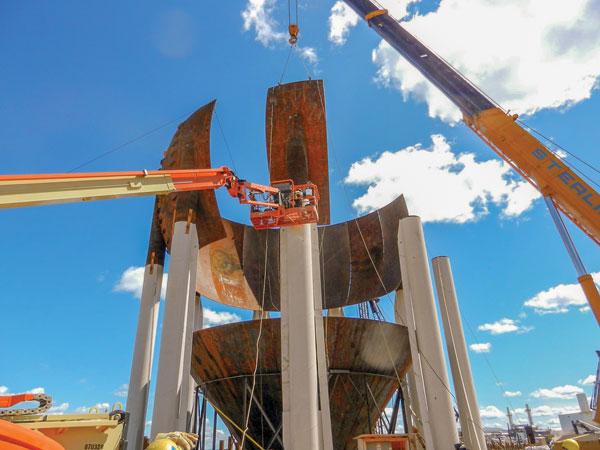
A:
x,y
561,187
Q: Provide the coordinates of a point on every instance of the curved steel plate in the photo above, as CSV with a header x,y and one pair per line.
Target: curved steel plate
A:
x,y
350,274
296,133
362,377
190,149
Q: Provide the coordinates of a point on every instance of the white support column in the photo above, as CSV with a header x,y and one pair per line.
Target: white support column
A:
x,y
404,313
411,244
415,396
168,394
298,349
462,377
188,384
141,365
322,369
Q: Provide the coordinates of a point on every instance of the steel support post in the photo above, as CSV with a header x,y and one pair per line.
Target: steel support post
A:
x,y
298,347
171,376
466,398
413,256
141,364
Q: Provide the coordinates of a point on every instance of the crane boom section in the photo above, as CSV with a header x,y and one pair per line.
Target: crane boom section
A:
x,y
540,166
46,189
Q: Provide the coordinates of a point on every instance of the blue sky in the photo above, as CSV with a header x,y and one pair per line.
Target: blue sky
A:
x,y
80,78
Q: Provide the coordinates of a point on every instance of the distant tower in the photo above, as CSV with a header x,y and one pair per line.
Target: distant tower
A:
x,y
529,416
510,421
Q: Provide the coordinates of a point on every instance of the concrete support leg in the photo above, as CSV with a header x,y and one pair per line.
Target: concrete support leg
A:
x,y
415,274
322,366
403,312
141,366
170,390
298,349
466,398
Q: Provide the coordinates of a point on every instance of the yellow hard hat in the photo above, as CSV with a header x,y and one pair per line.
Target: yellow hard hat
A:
x,y
164,444
570,444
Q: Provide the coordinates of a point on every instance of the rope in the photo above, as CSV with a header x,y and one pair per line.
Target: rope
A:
x,y
304,65
125,144
260,326
226,417
286,64
225,140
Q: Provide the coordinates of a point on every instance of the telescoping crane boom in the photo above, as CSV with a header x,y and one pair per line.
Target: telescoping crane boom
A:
x,y
561,187
281,204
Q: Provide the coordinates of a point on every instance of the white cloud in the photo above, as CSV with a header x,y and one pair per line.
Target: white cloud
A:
x,y
561,392
590,380
122,390
549,59
132,281
440,185
481,348
5,391
309,54
560,298
214,318
545,410
258,16
489,412
504,326
512,394
102,407
37,390
342,18
59,409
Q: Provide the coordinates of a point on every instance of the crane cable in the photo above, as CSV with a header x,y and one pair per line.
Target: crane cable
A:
x,y
293,26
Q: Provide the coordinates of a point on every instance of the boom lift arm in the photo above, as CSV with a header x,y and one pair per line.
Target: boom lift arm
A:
x,y
561,187
282,204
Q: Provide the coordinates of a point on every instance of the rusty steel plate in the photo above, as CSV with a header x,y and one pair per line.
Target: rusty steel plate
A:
x,y
369,273
190,149
296,133
362,374
237,264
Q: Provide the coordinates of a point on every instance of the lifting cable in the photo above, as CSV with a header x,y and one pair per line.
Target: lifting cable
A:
x,y
262,309
293,30
131,141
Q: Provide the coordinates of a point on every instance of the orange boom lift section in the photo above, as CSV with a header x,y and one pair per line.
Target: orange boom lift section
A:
x,y
281,204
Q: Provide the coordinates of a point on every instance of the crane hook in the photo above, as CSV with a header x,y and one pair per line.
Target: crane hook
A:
x,y
294,30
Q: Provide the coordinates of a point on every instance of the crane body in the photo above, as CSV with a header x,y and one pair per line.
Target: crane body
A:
x,y
561,187
282,204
